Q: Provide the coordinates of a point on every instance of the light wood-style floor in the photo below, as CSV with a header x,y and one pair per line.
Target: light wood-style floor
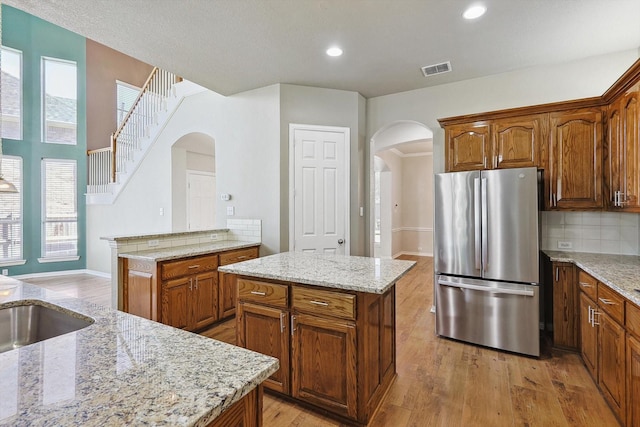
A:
x,y
440,382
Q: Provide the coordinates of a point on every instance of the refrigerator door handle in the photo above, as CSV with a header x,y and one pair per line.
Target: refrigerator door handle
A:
x,y
477,225
485,237
486,288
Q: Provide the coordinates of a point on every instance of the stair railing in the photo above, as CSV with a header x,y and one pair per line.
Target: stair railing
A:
x,y
105,163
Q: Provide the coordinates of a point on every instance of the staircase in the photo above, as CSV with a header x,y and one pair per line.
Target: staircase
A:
x,y
110,168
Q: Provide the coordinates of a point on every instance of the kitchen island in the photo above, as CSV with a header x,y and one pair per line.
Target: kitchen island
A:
x,y
330,320
125,370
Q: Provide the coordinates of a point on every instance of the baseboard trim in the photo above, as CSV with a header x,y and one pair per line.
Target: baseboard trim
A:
x,y
429,254
62,273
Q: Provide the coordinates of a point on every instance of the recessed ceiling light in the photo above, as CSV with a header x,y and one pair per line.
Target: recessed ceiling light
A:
x,y
474,12
334,51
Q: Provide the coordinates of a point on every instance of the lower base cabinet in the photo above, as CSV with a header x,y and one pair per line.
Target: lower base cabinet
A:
x,y
589,336
336,348
633,382
612,364
247,412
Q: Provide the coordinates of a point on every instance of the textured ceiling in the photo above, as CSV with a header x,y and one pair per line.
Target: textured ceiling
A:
x,y
231,46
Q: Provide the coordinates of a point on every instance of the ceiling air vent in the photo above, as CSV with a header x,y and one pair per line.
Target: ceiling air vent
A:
x,y
432,70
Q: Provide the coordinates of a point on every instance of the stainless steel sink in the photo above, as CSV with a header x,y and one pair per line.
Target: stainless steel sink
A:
x,y
31,323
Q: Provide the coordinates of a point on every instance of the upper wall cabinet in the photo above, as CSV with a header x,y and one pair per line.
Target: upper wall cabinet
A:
x,y
496,144
622,144
575,160
517,141
468,147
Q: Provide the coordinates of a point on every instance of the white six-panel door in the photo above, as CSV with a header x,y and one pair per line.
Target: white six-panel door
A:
x,y
320,189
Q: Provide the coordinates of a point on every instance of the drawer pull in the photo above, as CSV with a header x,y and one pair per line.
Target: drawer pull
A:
x,y
607,301
259,293
322,303
194,266
585,285
242,257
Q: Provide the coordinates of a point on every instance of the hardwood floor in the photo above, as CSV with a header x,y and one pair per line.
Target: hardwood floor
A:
x,y
84,286
443,382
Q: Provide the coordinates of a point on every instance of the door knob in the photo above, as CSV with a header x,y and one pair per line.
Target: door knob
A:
x,y
340,241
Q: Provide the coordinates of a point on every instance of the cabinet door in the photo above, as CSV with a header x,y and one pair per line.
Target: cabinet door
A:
x,y
576,160
323,360
227,294
140,288
588,335
565,306
611,375
630,158
176,303
613,149
633,382
266,330
204,300
517,141
468,147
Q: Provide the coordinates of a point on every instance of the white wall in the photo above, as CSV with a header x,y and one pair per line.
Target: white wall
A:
x,y
326,107
394,163
417,200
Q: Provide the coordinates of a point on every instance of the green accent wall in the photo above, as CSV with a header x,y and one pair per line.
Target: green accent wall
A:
x,y
37,38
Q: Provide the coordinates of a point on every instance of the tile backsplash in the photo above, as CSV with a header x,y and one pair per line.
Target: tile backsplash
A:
x,y
599,232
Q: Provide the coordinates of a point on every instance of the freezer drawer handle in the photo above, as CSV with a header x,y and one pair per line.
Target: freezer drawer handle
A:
x,y
487,289
607,301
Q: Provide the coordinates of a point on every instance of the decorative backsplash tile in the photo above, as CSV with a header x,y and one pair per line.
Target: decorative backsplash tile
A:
x,y
596,232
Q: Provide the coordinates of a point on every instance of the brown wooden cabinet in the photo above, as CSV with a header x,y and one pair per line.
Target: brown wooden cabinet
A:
x,y
246,412
565,306
468,147
187,293
603,340
263,326
633,381
611,374
517,141
588,335
227,286
575,160
336,348
190,301
622,165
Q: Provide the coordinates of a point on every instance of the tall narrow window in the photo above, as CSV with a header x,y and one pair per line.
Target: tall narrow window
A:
x,y
11,93
59,101
60,209
11,212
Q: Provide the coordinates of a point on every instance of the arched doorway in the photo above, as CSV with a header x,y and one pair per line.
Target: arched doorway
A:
x,y
193,177
401,165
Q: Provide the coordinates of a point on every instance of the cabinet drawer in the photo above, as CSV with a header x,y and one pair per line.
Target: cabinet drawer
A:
x,y
324,302
173,269
263,292
611,302
239,255
587,284
632,321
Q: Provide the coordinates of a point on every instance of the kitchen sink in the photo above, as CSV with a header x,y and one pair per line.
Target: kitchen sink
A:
x,y
31,323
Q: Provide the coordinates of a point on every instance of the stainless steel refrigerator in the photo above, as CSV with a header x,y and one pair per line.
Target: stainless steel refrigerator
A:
x,y
487,258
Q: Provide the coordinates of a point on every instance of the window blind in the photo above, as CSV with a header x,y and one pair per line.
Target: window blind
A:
x,y
60,208
11,211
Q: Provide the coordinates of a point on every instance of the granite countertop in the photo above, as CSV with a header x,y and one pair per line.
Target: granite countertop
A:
x,y
160,235
121,370
353,273
165,254
620,272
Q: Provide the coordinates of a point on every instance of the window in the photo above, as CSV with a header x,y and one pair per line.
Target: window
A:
x,y
59,209
126,95
11,212
59,101
11,93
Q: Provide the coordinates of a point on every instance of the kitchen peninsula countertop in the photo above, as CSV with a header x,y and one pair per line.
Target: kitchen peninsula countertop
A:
x,y
121,370
620,272
166,254
354,273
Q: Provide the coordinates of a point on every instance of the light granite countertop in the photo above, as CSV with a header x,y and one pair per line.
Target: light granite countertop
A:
x,y
353,273
160,235
166,254
121,370
620,272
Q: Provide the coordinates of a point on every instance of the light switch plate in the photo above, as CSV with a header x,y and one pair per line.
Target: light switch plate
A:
x,y
231,211
153,243
214,237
